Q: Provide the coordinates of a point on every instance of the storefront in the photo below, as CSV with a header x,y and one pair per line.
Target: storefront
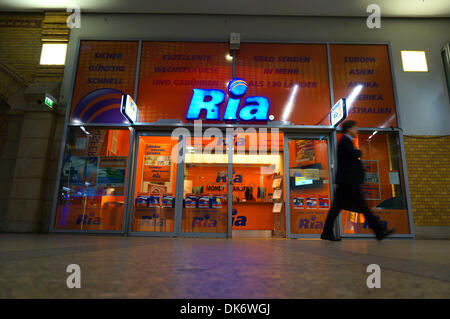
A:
x,y
226,143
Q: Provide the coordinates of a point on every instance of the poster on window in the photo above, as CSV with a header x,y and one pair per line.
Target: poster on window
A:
x,y
111,175
157,162
304,152
83,175
371,186
298,202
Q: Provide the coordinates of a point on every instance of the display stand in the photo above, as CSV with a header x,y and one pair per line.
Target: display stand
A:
x,y
278,211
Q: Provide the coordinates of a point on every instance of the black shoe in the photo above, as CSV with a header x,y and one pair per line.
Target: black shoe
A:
x,y
328,236
384,233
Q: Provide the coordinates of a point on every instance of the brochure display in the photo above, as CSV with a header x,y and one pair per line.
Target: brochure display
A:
x,y
278,205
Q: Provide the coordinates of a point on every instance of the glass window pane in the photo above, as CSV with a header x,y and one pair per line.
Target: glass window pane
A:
x,y
155,184
383,187
93,177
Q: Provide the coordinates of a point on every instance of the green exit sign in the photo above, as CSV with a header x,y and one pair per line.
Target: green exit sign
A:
x,y
49,101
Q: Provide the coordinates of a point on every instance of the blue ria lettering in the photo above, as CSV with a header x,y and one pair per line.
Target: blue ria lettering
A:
x,y
88,219
383,222
307,223
238,141
207,221
153,220
204,221
222,177
238,220
255,108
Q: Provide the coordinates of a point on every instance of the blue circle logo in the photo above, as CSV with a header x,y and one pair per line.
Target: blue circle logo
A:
x,y
237,87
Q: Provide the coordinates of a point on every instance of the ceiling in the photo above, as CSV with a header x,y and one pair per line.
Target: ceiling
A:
x,y
347,8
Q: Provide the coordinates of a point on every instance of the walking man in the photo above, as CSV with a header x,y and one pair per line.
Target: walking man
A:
x,y
349,176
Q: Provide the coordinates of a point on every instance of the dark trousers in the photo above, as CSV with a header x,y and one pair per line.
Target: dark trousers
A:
x,y
349,197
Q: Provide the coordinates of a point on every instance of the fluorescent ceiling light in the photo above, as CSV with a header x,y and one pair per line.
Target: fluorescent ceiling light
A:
x,y
414,61
53,53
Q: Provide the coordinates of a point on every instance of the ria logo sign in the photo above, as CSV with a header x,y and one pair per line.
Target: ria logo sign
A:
x,y
255,108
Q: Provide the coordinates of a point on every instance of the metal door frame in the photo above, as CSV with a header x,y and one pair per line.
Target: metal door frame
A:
x,y
330,138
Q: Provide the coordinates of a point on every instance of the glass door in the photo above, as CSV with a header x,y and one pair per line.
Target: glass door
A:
x,y
307,185
257,184
205,210
91,197
154,190
383,188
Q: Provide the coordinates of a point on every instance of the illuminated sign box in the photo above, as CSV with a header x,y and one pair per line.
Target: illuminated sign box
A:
x,y
338,112
129,109
299,180
414,61
50,101
255,108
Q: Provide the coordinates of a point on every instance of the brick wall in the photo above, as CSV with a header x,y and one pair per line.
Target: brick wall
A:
x,y
3,123
20,35
428,164
30,133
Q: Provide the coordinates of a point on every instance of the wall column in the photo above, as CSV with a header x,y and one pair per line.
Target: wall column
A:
x,y
8,156
25,204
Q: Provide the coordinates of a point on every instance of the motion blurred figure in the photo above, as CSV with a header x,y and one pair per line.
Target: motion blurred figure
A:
x,y
349,176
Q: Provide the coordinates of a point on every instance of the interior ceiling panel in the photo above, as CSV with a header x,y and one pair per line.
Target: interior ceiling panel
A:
x,y
347,8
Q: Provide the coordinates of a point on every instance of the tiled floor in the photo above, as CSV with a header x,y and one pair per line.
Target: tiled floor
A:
x,y
34,266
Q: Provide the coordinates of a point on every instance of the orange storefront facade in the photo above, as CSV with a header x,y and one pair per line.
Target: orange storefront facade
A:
x,y
226,143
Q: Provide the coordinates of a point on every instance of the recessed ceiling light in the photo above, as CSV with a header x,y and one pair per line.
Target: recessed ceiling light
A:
x,y
53,53
414,61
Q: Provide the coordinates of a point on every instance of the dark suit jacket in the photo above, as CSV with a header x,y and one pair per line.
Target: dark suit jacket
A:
x,y
349,167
